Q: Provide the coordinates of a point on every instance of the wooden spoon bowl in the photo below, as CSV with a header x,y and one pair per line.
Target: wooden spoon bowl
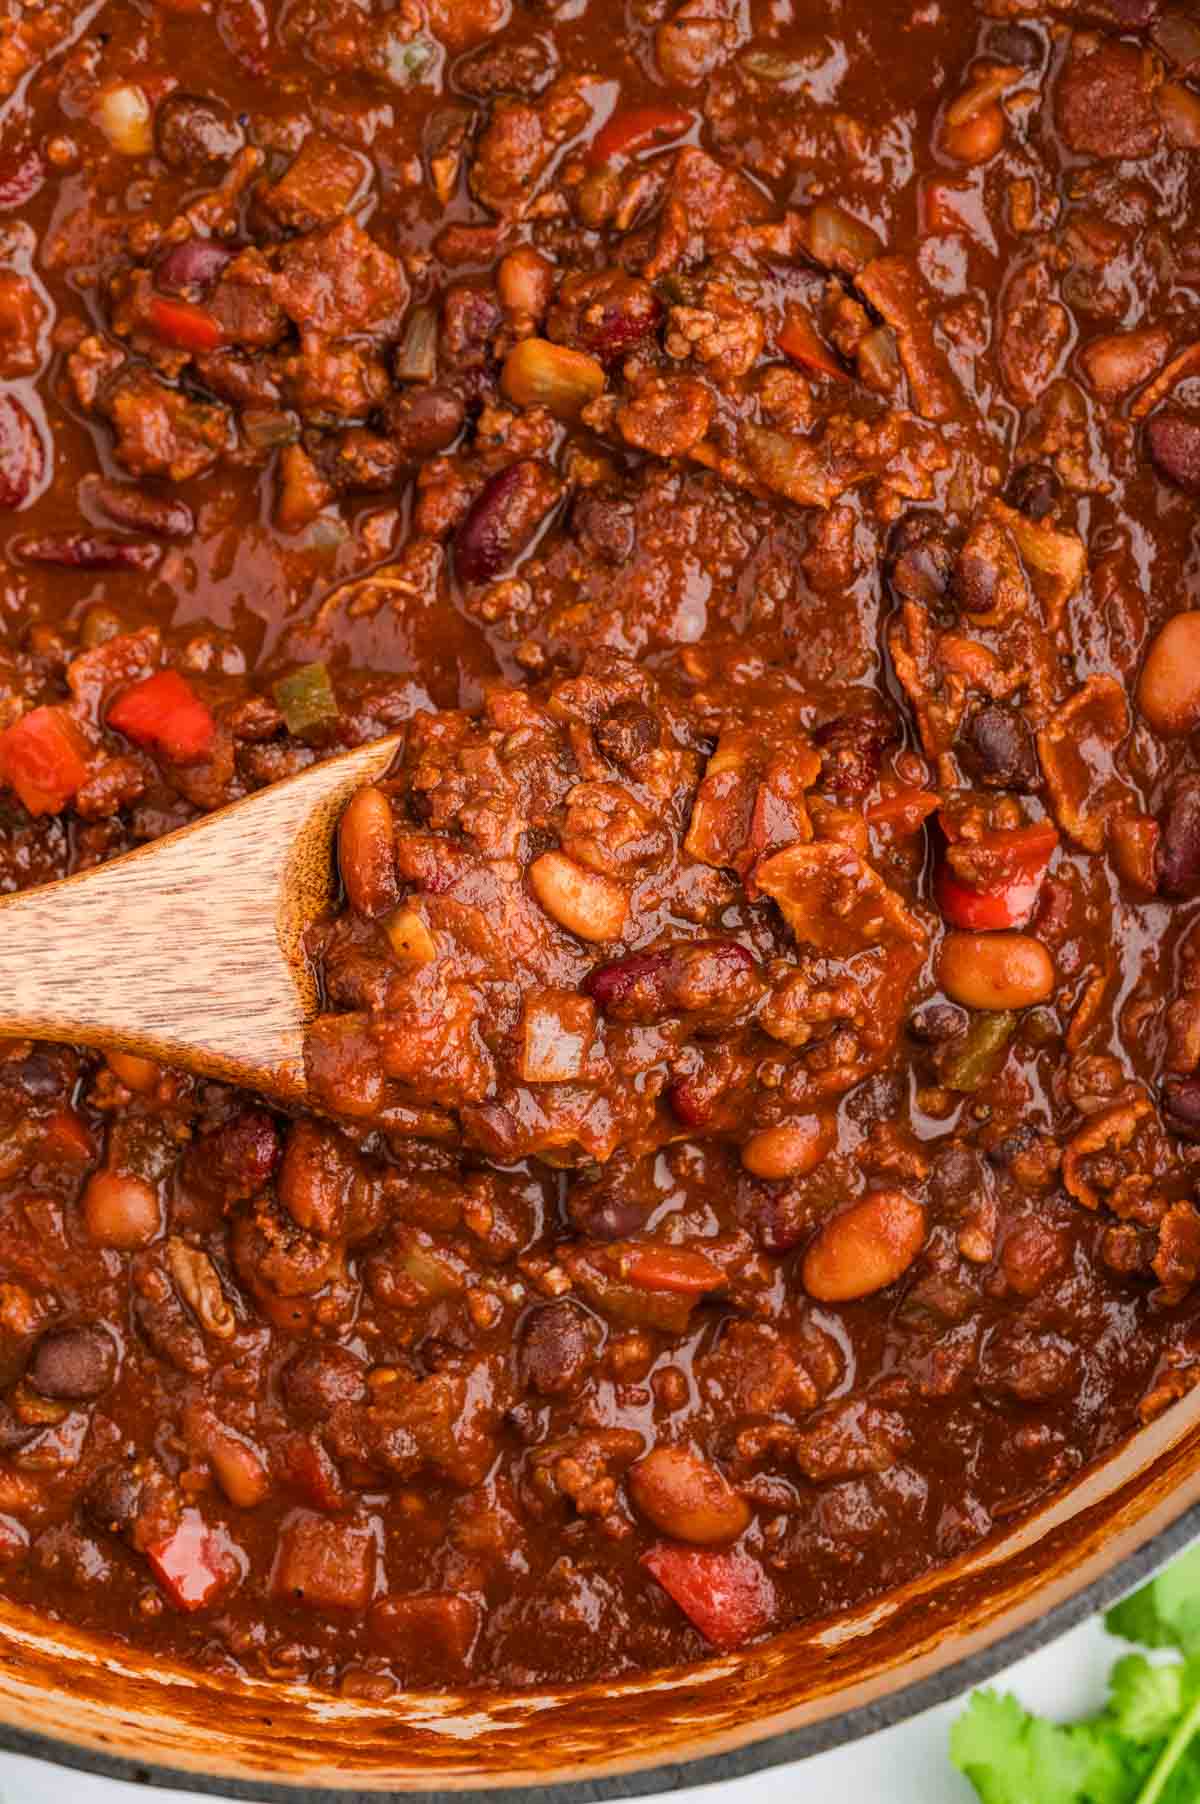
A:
x,y
190,951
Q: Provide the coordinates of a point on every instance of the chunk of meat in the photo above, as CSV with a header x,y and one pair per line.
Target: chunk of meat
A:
x,y
1105,99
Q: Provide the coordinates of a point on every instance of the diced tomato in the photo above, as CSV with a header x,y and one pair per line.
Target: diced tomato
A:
x,y
43,757
165,712
725,1593
799,340
670,1268
1016,860
184,325
637,129
905,812
194,1564
65,1139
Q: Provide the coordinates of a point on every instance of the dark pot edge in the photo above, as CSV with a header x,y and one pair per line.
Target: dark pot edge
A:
x,y
776,1750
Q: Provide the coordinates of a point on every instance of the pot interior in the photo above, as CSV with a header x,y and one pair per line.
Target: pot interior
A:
x,y
92,1703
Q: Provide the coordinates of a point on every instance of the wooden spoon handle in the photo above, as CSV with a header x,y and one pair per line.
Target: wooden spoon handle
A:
x,y
188,951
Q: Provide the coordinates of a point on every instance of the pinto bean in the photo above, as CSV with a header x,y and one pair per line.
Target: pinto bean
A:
x,y
583,902
865,1248
684,1496
73,1365
1168,691
995,970
977,139
367,855
789,1150
120,1210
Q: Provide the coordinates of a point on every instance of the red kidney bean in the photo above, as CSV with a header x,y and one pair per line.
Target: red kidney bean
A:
x,y
21,175
688,1102
22,457
127,505
502,519
1174,444
1181,1106
688,979
193,265
73,1365
82,551
1179,846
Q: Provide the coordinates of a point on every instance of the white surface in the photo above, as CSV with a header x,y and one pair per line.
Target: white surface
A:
x,y
905,1765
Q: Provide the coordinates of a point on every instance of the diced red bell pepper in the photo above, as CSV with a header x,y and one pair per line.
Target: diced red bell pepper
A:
x,y
798,340
43,757
670,1268
163,711
725,1592
66,1140
184,325
1019,858
637,128
194,1564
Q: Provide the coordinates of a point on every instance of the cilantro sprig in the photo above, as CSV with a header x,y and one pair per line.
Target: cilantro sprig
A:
x,y
1142,1748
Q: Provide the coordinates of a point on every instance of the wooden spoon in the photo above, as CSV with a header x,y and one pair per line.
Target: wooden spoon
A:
x,y
190,950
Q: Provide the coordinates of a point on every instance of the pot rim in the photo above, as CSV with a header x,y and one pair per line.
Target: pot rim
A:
x,y
792,1745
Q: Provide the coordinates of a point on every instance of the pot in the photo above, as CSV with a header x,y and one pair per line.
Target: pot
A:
x,y
86,1702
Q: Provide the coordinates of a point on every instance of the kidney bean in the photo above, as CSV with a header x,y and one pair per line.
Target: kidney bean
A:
x,y
585,903
367,854
22,173
1179,845
865,1248
686,1497
998,750
995,970
191,133
126,504
502,519
681,979
22,457
1174,444
556,1346
1181,1106
1168,691
73,1365
191,267
120,1210
789,1150
85,551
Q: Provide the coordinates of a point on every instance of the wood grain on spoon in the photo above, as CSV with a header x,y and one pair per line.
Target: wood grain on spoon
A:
x,y
190,951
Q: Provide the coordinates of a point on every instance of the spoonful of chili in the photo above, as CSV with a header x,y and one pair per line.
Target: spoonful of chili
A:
x,y
190,951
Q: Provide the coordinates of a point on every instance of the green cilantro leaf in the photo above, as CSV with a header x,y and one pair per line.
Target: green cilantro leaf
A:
x,y
1142,1748
1166,1612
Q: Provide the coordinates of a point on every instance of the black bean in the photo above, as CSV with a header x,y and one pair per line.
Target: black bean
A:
x,y
920,560
423,420
73,1365
1034,490
998,749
